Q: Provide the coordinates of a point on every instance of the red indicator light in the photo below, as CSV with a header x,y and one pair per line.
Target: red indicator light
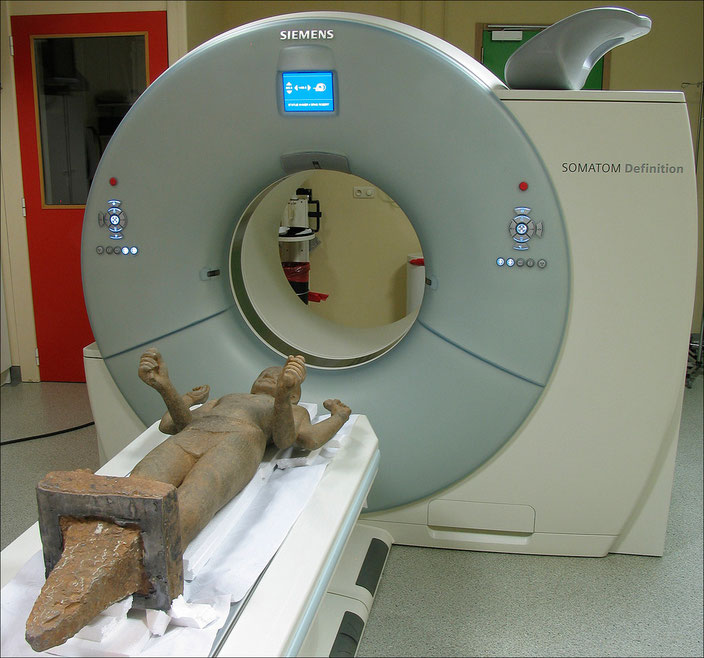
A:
x,y
113,181
523,186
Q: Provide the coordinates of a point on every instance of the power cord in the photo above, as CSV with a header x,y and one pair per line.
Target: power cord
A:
x,y
48,434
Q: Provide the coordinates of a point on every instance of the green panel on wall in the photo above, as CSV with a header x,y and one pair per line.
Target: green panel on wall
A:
x,y
495,54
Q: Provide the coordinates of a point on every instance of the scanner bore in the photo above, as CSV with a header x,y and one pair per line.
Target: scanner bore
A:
x,y
275,315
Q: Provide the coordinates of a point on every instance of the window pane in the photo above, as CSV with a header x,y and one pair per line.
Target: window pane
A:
x,y
85,85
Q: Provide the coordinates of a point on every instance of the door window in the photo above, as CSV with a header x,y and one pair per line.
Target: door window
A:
x,y
84,87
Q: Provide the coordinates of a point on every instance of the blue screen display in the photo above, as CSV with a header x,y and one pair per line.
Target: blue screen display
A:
x,y
308,92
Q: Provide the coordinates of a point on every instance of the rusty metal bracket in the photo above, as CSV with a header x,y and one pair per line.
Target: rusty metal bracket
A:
x,y
125,501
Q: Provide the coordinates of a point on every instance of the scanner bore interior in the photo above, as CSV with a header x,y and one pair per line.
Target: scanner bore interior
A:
x,y
274,313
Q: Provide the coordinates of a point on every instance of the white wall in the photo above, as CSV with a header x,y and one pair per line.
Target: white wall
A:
x,y
361,261
5,359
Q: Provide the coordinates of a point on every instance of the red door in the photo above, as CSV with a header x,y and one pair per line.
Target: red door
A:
x,y
76,77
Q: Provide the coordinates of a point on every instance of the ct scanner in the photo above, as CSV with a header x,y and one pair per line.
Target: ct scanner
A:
x,y
532,404
530,409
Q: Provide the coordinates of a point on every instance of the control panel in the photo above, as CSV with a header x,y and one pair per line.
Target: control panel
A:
x,y
522,229
115,221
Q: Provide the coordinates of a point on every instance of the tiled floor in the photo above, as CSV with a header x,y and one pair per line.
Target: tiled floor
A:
x,y
449,603
31,409
35,409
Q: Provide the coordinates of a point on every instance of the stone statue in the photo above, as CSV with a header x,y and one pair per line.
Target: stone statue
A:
x,y
214,451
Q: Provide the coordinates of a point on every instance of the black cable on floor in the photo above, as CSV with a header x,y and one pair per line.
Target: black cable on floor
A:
x,y
48,434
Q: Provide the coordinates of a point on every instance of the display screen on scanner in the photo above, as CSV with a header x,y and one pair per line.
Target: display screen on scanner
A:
x,y
310,91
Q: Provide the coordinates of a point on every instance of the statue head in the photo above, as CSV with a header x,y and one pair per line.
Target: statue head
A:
x,y
265,384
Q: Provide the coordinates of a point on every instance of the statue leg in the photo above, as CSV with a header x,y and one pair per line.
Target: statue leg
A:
x,y
168,462
218,476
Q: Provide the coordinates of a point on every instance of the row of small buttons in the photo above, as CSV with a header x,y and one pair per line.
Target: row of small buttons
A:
x,y
124,251
520,262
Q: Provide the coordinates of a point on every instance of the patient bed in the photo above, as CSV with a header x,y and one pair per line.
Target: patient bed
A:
x,y
289,542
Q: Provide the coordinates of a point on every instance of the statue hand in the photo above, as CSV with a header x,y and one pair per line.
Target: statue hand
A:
x,y
293,373
199,394
337,408
152,369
